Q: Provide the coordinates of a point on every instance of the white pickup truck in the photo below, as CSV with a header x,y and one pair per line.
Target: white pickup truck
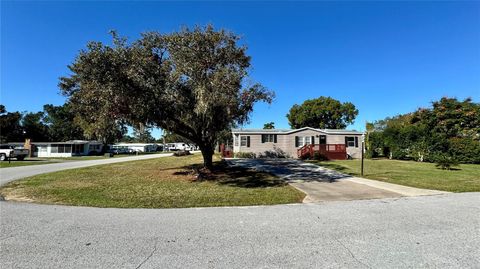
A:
x,y
10,152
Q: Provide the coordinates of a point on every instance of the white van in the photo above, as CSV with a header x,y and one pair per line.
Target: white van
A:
x,y
179,146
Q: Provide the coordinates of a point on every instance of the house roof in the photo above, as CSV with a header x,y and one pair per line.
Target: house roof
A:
x,y
290,131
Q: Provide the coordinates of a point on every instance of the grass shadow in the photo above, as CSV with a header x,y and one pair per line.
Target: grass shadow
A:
x,y
451,169
333,166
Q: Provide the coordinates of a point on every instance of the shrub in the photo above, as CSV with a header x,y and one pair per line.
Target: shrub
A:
x,y
245,155
445,162
465,150
181,153
93,153
319,157
305,157
399,154
275,153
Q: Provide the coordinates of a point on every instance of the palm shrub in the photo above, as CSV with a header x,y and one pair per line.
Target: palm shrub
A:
x,y
445,162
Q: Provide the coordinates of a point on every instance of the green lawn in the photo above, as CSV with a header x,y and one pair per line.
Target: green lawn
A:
x,y
14,163
157,183
415,174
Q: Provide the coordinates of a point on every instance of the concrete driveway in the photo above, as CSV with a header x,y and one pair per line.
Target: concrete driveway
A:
x,y
441,231
321,184
14,173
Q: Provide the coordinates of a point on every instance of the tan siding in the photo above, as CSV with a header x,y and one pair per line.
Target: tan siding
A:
x,y
287,143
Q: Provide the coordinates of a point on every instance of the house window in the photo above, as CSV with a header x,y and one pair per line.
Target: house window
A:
x,y
54,148
269,138
245,141
351,141
95,147
301,141
68,148
60,148
307,140
235,140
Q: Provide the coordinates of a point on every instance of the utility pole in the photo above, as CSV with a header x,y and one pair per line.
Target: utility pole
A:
x,y
362,158
363,149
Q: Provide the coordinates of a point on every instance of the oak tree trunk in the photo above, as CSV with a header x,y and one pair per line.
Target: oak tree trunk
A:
x,y
207,153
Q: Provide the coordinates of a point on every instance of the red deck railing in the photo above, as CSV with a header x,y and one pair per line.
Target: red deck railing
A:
x,y
330,151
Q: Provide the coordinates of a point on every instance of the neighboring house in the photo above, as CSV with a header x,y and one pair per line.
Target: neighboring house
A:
x,y
62,149
136,147
291,141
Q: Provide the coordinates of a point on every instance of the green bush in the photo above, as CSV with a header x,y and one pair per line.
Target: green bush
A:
x,y
275,153
305,157
445,162
245,155
399,154
465,150
319,157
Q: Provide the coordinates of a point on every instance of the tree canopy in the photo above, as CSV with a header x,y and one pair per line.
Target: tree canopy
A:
x,y
54,123
269,125
192,83
60,121
322,112
450,127
10,126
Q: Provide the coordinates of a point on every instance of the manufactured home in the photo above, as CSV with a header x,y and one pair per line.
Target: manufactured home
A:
x,y
62,149
297,143
135,147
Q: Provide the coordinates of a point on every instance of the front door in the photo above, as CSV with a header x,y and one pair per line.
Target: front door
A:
x,y
323,140
78,149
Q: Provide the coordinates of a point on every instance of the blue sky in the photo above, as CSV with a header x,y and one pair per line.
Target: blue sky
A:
x,y
385,57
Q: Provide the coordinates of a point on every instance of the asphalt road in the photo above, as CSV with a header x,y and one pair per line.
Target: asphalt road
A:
x,y
14,173
441,231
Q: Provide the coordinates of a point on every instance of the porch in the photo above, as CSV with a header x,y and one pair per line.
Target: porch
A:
x,y
329,151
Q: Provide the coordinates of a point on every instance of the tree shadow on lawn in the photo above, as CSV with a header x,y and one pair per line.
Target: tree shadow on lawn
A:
x,y
330,165
232,176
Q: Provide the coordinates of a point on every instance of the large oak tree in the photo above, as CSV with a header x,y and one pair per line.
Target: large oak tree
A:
x,y
193,83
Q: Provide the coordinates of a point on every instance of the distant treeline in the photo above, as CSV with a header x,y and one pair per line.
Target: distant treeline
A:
x,y
58,123
449,128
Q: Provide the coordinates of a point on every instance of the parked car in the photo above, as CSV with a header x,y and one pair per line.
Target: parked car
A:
x,y
180,146
10,152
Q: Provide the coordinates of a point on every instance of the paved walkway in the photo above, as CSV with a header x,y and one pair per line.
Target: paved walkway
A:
x,y
322,184
14,173
441,231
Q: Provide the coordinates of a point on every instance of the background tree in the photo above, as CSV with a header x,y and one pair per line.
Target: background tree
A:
x,y
61,123
128,139
105,130
11,129
34,127
170,137
269,125
191,83
142,134
322,112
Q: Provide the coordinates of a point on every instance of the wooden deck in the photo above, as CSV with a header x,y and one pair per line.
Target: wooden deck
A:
x,y
330,151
